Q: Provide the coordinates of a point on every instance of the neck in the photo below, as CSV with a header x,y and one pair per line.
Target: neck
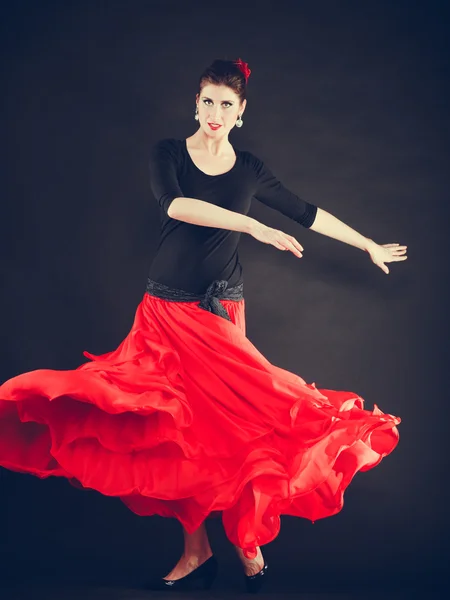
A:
x,y
211,145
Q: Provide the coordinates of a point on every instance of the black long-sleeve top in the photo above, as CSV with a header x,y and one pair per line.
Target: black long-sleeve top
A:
x,y
190,257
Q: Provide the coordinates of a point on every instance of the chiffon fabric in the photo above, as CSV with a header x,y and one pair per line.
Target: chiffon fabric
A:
x,y
187,419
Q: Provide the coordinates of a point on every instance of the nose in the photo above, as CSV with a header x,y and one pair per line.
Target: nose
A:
x,y
215,115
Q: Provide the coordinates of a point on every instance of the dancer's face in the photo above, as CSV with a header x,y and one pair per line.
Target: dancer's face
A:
x,y
218,104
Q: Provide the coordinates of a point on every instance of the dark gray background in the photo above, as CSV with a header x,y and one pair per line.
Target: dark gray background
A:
x,y
348,105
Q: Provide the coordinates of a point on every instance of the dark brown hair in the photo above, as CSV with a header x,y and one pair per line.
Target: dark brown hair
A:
x,y
224,72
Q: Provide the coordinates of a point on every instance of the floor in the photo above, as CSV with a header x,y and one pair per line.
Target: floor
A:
x,y
44,590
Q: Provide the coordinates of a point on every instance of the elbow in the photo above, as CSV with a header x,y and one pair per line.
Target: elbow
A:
x,y
171,208
310,216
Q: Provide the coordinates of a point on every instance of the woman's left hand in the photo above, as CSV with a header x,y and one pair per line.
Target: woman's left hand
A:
x,y
386,253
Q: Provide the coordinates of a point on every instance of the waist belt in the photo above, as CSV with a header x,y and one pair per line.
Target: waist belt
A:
x,y
210,300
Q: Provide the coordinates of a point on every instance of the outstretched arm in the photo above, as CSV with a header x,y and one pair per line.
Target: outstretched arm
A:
x,y
272,192
327,224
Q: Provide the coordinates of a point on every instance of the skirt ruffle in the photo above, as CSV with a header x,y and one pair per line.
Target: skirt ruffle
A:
x,y
187,419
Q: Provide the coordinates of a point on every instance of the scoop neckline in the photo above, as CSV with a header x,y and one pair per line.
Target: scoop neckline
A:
x,y
207,174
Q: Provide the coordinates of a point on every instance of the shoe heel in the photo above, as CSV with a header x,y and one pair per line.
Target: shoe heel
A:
x,y
201,578
210,577
208,581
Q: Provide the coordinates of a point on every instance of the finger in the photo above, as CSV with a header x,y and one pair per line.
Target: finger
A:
x,y
296,243
290,246
395,258
278,245
382,266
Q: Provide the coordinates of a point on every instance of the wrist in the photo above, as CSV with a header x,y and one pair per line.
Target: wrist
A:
x,y
368,244
250,225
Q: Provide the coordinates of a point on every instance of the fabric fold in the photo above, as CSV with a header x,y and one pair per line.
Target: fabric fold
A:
x,y
187,419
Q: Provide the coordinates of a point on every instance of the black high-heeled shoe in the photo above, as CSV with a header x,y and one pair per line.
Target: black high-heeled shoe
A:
x,y
253,583
200,578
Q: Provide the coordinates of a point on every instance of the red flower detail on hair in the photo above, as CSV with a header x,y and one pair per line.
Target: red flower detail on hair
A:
x,y
243,66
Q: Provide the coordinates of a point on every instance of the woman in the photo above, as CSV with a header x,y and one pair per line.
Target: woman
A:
x,y
186,418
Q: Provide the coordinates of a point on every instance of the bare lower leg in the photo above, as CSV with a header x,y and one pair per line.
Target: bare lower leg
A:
x,y
196,551
251,565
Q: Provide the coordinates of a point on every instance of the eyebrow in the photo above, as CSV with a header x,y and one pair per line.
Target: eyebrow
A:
x,y
206,98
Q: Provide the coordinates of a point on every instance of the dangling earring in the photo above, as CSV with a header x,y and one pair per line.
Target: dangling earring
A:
x,y
239,122
196,113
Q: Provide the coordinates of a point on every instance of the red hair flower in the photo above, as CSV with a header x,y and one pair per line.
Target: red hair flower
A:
x,y
243,66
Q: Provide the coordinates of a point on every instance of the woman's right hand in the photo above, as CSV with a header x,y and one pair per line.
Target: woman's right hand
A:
x,y
277,238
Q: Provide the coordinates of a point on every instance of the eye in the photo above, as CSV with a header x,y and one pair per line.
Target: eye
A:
x,y
206,102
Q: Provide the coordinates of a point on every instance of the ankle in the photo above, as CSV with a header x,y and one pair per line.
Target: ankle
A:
x,y
258,560
197,555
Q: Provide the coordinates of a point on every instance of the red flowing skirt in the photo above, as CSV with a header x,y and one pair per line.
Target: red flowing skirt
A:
x,y
187,419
